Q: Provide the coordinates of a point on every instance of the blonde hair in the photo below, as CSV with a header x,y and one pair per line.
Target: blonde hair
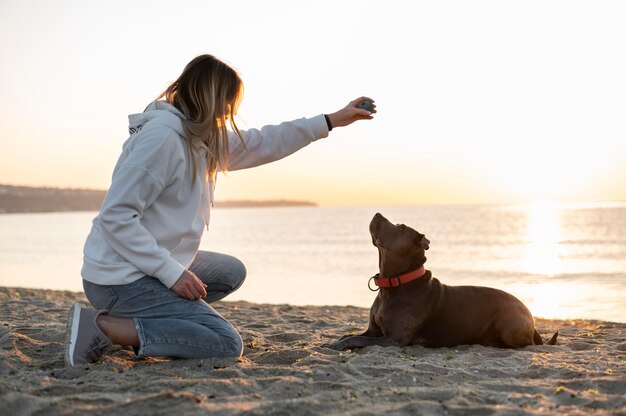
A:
x,y
208,93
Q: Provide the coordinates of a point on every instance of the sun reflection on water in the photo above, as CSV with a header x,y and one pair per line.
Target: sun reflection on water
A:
x,y
542,256
553,300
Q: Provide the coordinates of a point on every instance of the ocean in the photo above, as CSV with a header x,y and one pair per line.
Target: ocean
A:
x,y
562,261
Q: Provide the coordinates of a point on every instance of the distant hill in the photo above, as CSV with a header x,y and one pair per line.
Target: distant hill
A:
x,y
15,199
263,204
28,199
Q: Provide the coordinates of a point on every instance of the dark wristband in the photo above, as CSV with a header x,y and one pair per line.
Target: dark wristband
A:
x,y
330,126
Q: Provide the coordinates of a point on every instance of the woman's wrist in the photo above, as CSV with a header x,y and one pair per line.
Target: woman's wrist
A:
x,y
328,122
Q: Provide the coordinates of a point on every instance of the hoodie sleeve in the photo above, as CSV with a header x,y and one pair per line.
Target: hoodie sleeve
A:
x,y
136,184
272,143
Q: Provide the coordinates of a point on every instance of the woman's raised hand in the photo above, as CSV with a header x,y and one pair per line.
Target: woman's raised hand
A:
x,y
350,113
189,286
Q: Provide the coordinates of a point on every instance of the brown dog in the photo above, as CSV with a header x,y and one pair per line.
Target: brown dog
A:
x,y
414,308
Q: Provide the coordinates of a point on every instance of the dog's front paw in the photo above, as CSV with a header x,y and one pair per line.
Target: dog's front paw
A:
x,y
337,346
341,338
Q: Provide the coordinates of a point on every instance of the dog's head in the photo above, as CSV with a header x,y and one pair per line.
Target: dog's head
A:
x,y
398,243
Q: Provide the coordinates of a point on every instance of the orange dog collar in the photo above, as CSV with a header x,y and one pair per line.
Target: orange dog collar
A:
x,y
396,281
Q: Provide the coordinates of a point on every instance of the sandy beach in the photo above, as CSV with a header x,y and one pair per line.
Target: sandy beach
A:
x,y
286,371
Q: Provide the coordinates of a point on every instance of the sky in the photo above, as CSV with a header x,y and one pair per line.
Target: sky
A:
x,y
478,101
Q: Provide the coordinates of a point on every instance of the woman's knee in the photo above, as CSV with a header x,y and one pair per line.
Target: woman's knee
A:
x,y
238,272
233,345
219,268
230,342
226,340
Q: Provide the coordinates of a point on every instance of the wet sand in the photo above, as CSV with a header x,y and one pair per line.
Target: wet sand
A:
x,y
285,370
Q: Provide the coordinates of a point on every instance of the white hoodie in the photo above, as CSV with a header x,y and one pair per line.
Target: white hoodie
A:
x,y
152,218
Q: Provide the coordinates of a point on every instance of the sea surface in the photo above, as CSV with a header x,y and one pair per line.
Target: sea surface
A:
x,y
563,261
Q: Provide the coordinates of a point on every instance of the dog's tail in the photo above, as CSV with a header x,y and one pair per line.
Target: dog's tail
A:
x,y
553,339
538,341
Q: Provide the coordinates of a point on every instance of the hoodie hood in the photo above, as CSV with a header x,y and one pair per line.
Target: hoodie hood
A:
x,y
161,112
166,114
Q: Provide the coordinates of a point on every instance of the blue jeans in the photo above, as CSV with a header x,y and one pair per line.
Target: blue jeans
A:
x,y
169,325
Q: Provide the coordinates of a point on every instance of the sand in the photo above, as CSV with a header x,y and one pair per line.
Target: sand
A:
x,y
285,370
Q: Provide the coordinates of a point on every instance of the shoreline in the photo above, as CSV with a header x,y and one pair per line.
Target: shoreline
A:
x,y
285,369
34,200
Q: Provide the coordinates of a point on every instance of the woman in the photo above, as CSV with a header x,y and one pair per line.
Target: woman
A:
x,y
142,270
